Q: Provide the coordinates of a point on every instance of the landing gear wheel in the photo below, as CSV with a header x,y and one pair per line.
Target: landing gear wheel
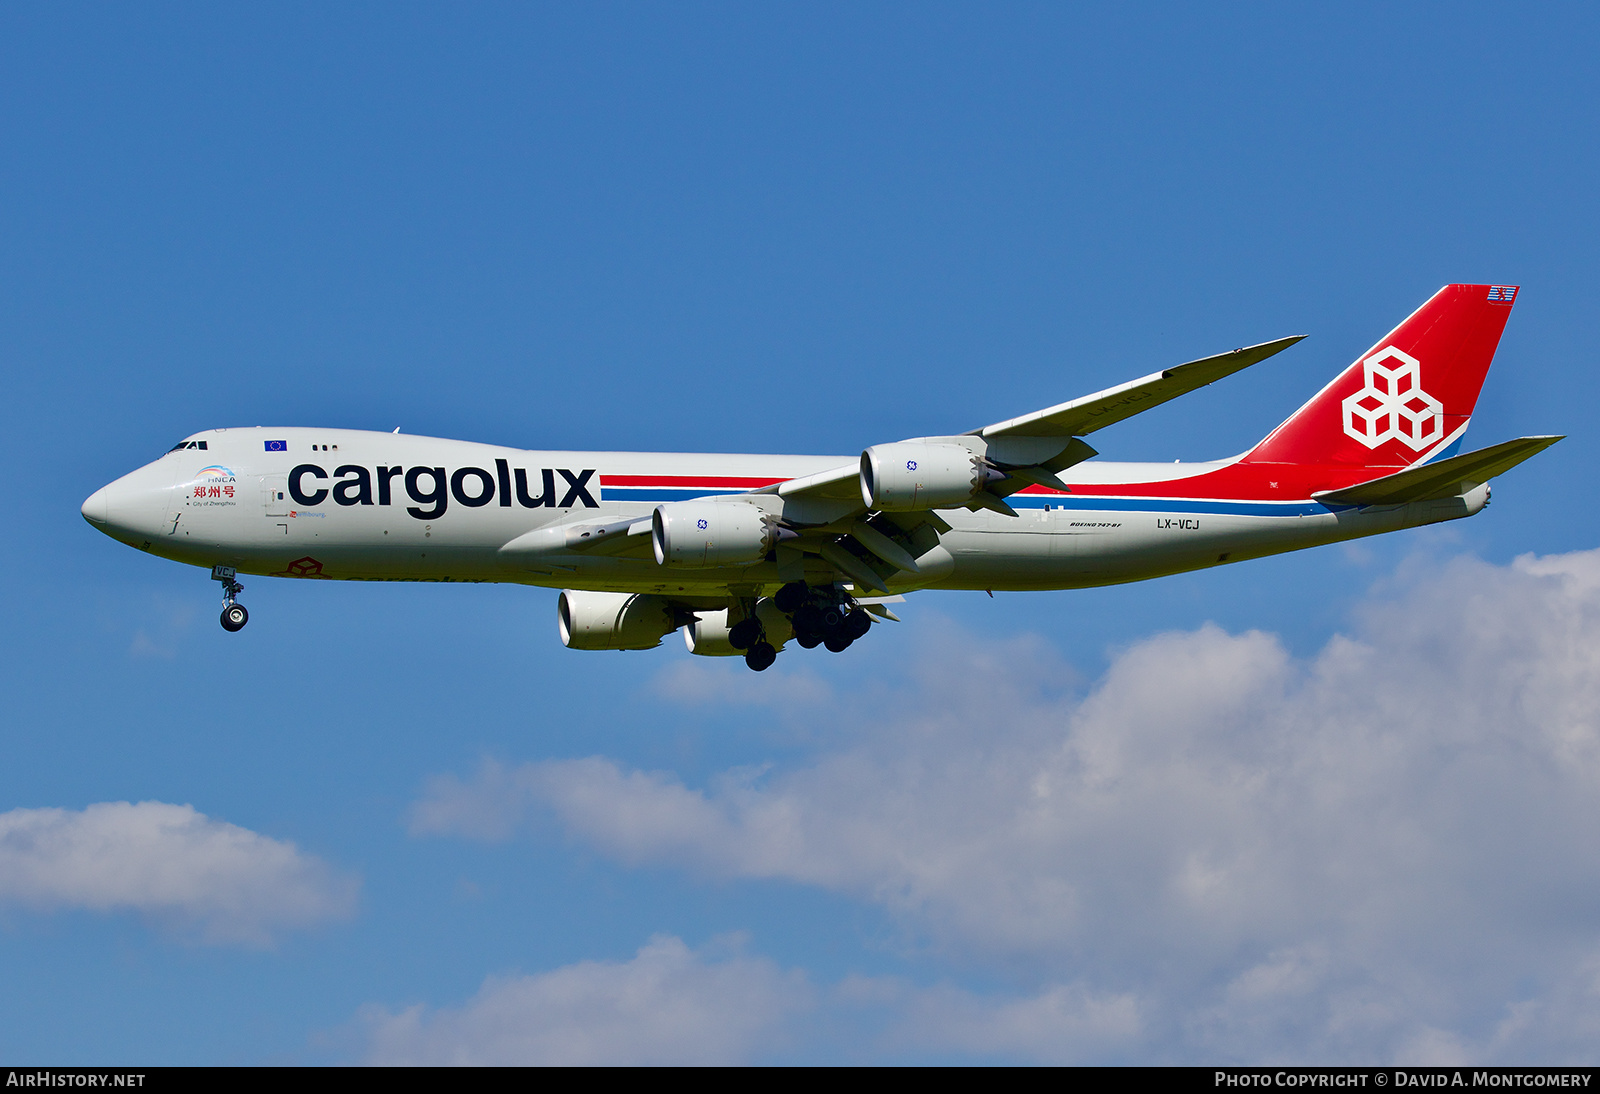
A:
x,y
808,620
837,642
808,641
233,614
744,634
856,624
792,597
760,656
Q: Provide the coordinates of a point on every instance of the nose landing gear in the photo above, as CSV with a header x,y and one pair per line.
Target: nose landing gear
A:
x,y
234,616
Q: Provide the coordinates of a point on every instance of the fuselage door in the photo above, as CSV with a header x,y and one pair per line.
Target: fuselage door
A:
x,y
275,500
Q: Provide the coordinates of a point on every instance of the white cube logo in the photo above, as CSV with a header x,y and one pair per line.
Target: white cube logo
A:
x,y
1393,405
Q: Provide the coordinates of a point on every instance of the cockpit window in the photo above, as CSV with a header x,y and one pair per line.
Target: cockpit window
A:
x,y
201,445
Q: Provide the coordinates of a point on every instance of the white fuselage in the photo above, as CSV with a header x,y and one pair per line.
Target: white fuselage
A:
x,y
356,505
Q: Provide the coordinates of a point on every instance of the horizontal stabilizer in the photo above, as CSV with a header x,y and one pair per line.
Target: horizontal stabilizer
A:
x,y
1443,479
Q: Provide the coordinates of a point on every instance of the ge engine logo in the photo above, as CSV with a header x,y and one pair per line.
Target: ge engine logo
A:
x,y
700,524
911,465
1392,405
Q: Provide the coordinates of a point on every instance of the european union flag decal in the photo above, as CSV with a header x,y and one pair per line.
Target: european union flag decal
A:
x,y
277,446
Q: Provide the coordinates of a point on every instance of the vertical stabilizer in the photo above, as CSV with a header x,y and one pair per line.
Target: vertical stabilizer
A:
x,y
1410,396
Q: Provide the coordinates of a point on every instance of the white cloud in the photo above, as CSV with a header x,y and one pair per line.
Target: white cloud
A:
x,y
718,1005
216,881
1060,1024
488,808
668,1005
1389,850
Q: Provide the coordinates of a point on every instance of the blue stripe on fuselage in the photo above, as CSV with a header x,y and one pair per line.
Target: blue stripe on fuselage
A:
x,y
1169,505
1037,501
660,493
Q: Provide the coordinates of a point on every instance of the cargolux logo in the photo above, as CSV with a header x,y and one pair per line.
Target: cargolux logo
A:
x,y
473,487
1392,405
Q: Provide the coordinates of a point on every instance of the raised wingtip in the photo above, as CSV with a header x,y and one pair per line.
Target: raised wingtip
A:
x,y
1277,345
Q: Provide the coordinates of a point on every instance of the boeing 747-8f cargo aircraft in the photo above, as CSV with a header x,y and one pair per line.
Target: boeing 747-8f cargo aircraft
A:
x,y
747,553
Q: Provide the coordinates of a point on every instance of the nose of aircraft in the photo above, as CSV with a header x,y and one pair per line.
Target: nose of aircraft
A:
x,y
96,507
133,508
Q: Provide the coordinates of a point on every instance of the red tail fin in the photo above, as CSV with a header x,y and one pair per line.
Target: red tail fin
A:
x,y
1409,396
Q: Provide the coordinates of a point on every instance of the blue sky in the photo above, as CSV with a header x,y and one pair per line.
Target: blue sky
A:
x,y
392,823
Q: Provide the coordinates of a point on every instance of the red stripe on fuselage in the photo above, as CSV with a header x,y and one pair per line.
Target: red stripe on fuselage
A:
x,y
690,482
1236,482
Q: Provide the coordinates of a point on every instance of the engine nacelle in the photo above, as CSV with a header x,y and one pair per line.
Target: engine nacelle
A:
x,y
912,475
709,533
708,635
612,621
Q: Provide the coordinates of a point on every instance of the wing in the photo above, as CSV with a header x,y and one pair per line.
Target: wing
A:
x,y
828,508
1442,479
535,549
1065,420
1114,404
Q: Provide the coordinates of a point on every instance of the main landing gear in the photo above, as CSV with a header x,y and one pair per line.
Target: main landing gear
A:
x,y
829,622
748,635
234,617
822,616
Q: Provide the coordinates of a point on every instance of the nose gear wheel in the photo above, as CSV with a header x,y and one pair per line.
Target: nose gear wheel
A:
x,y
234,616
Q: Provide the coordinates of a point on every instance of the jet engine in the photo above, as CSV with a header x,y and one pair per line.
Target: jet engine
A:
x,y
709,533
708,635
612,621
910,475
